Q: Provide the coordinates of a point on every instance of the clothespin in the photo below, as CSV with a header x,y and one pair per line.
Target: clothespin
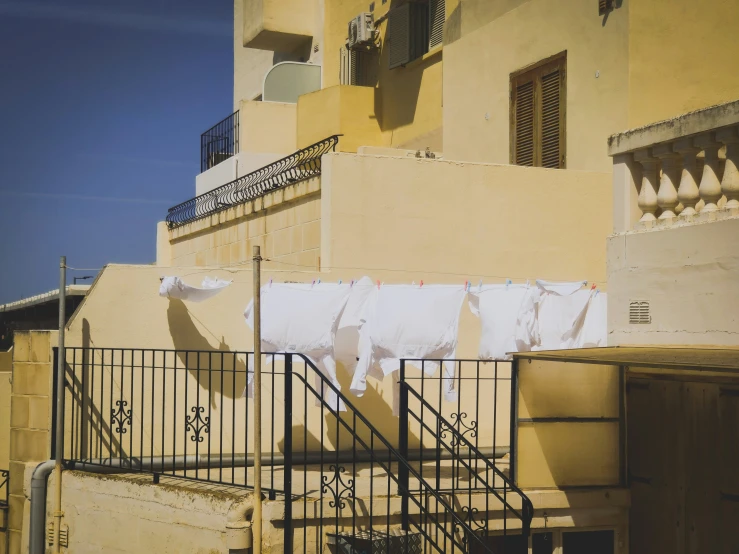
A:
x,y
351,285
465,285
313,283
319,282
270,282
378,284
413,284
479,286
421,284
593,287
508,282
339,281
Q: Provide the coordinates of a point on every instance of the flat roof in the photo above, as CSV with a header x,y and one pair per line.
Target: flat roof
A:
x,y
72,290
715,358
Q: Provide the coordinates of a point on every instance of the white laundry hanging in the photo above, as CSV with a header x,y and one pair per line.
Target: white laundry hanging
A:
x,y
303,319
174,287
346,344
553,316
499,308
595,329
411,322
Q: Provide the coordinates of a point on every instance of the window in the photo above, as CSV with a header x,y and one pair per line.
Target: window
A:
x,y
413,29
538,114
358,67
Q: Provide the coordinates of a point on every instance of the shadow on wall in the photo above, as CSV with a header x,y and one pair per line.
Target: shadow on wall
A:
x,y
186,336
396,96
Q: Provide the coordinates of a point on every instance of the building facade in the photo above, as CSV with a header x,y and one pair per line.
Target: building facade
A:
x,y
447,141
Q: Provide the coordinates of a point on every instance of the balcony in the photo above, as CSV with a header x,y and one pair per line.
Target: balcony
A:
x,y
673,262
278,25
681,170
220,142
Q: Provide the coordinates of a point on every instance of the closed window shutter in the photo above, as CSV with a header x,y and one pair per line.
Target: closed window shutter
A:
x,y
524,124
551,128
398,36
437,15
538,115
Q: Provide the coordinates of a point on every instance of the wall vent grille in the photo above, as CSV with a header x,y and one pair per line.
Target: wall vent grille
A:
x,y
639,312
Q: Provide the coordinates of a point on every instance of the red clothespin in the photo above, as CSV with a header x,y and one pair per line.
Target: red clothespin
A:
x,y
421,285
313,284
594,286
378,284
465,285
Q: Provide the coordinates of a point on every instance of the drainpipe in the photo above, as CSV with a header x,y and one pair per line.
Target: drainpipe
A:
x,y
238,526
37,539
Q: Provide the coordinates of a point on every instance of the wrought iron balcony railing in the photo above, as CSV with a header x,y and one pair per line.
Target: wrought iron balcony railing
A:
x,y
301,165
220,142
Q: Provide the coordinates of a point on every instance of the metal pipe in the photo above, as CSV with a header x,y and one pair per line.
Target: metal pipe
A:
x,y
37,531
177,463
257,518
60,391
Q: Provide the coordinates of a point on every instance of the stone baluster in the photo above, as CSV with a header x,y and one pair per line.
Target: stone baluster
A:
x,y
730,181
667,198
687,193
647,200
710,186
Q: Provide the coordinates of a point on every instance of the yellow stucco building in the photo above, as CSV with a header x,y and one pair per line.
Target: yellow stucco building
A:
x,y
447,142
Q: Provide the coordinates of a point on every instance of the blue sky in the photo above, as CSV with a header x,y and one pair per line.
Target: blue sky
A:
x,y
102,104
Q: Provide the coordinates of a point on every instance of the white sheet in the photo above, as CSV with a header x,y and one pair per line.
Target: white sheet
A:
x,y
412,322
174,287
303,319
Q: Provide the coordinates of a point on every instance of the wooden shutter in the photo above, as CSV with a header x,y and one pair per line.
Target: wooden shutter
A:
x,y
551,120
437,15
538,114
524,124
398,36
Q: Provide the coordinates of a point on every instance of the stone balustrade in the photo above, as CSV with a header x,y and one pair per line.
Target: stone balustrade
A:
x,y
682,170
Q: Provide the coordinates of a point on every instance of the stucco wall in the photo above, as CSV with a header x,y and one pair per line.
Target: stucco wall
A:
x,y
131,515
689,276
267,127
682,57
340,110
487,40
437,219
250,65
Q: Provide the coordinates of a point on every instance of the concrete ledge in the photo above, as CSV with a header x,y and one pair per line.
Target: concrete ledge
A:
x,y
699,121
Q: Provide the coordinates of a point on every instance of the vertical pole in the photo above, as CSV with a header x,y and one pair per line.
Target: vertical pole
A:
x,y
288,454
403,477
257,519
514,422
60,391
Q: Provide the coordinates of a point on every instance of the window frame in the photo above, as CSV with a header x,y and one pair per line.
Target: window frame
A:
x,y
534,73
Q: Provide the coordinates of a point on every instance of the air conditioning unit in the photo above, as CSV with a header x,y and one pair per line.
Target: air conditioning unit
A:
x,y
361,31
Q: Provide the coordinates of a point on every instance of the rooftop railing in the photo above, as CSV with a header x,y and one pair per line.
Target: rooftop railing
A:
x,y
678,170
301,165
